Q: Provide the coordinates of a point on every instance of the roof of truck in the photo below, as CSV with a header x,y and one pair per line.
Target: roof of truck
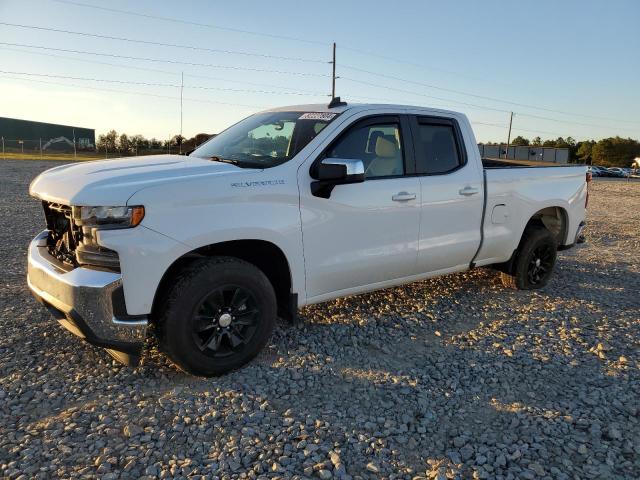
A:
x,y
323,107
312,107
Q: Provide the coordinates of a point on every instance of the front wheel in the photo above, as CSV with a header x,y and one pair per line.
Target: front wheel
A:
x,y
535,259
219,314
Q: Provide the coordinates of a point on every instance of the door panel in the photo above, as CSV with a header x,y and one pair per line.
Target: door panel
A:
x,y
360,235
450,222
452,196
366,232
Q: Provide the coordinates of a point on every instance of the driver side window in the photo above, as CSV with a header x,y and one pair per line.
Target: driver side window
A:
x,y
379,147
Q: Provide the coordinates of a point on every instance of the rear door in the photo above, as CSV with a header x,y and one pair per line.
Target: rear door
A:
x,y
364,233
451,195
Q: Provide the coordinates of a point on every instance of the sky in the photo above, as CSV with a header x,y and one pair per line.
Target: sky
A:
x,y
565,68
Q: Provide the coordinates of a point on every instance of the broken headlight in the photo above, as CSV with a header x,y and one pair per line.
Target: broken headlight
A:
x,y
108,217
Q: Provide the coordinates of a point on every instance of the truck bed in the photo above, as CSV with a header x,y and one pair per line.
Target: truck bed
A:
x,y
515,192
508,163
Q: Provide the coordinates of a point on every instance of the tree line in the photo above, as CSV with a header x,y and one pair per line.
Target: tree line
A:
x,y
134,144
608,152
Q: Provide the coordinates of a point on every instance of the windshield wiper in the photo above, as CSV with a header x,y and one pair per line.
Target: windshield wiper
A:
x,y
235,161
215,158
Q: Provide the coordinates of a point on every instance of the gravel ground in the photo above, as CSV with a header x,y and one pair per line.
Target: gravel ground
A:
x,y
452,377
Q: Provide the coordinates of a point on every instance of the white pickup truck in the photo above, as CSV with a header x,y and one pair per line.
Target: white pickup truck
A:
x,y
289,207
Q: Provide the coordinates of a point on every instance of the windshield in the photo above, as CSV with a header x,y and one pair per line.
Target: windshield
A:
x,y
266,139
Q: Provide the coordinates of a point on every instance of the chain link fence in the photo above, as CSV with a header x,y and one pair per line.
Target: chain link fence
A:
x,y
64,149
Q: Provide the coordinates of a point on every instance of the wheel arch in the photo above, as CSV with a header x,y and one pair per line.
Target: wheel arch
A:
x,y
553,218
264,255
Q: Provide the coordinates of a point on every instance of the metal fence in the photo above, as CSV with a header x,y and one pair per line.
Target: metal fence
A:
x,y
527,153
44,149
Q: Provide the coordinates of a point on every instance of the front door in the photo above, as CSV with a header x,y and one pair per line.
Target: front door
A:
x,y
364,233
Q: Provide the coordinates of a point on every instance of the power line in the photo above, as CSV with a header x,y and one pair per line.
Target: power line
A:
x,y
188,22
126,92
430,105
369,72
161,44
415,64
249,32
386,87
386,100
151,84
232,104
498,125
269,85
412,92
130,82
161,71
494,99
571,122
484,97
435,107
85,60
162,60
537,131
448,107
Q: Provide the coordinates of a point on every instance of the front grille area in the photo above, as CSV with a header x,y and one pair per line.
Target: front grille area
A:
x,y
64,235
74,245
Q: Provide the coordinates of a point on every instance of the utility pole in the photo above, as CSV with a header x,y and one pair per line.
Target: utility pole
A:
x,y
181,90
506,154
74,144
333,76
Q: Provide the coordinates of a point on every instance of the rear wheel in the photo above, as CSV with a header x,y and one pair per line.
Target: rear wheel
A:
x,y
535,259
219,314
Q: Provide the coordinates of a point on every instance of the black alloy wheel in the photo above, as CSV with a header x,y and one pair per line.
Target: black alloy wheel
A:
x,y
534,260
217,316
541,264
225,321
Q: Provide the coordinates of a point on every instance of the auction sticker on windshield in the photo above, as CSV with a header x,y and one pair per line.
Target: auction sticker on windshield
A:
x,y
317,116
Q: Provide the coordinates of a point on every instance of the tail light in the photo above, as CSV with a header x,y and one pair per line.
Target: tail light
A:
x,y
588,180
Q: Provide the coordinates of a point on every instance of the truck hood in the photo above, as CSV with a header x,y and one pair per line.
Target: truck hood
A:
x,y
113,182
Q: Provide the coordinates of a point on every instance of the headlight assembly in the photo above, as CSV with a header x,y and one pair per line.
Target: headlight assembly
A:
x,y
108,217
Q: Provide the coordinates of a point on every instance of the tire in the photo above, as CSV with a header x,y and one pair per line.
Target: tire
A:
x,y
534,262
213,305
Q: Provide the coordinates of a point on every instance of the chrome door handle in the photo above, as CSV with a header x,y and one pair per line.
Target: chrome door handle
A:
x,y
403,197
467,191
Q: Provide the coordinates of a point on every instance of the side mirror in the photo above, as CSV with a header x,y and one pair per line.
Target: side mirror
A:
x,y
335,171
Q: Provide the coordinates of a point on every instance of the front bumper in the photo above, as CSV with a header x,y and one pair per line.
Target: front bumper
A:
x,y
86,303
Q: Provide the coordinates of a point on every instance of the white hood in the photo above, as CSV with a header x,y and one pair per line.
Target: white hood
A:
x,y
113,182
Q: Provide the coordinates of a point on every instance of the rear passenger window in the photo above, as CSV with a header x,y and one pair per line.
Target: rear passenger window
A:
x,y
436,151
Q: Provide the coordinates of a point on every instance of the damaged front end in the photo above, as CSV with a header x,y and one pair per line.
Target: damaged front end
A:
x,y
73,244
81,285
